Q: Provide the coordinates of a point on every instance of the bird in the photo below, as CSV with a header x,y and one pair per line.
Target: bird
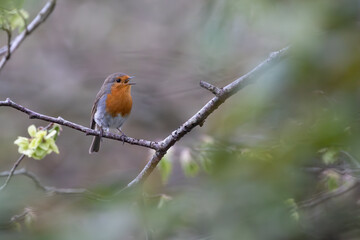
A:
x,y
112,106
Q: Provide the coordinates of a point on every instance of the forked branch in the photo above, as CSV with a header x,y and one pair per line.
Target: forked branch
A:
x,y
40,18
221,95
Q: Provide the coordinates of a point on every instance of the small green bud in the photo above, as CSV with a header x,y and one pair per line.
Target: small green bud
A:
x,y
22,142
163,200
165,166
40,144
189,166
32,130
52,145
293,209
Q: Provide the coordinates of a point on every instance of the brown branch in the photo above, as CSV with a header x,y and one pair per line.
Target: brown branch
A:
x,y
163,146
21,216
249,77
88,131
16,219
40,18
346,187
11,173
200,117
215,90
49,189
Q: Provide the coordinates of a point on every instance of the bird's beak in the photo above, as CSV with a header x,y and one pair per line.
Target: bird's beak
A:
x,y
132,83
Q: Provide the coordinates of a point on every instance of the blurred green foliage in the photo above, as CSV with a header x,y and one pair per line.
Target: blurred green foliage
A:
x,y
41,143
291,137
12,16
165,166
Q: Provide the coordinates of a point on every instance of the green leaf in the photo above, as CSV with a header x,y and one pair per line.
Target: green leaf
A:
x,y
329,156
30,218
40,134
51,134
40,152
293,209
56,128
163,200
32,130
53,146
11,4
41,143
44,145
189,166
36,157
165,167
13,19
16,21
332,180
35,142
191,169
27,152
295,215
206,164
22,141
17,226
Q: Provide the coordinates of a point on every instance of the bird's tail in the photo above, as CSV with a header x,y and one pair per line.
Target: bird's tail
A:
x,y
95,145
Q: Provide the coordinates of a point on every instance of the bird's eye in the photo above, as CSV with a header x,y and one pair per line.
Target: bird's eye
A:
x,y
118,80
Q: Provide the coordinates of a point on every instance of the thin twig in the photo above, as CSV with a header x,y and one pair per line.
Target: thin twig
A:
x,y
352,158
40,18
249,77
346,187
51,190
16,219
163,146
88,131
8,46
21,216
11,173
215,90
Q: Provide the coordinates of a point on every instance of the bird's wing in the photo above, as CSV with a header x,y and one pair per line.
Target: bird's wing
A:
x,y
99,95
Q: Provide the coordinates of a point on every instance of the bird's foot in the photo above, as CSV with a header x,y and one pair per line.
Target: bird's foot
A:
x,y
101,133
122,135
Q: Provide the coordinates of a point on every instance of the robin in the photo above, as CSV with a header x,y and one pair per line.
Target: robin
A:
x,y
112,106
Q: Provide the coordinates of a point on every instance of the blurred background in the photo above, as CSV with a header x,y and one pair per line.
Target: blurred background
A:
x,y
260,167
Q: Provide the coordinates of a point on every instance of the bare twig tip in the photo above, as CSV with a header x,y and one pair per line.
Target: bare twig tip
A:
x,y
210,87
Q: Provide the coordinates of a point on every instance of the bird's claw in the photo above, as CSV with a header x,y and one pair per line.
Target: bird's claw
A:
x,y
123,136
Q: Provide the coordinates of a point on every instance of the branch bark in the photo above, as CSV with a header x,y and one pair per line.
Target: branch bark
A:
x,y
40,18
11,173
49,189
346,187
88,131
215,90
221,94
16,219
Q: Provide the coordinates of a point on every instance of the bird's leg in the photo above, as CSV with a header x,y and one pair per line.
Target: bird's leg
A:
x,y
101,133
122,135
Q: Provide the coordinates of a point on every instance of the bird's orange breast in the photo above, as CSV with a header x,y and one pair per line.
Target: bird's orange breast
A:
x,y
119,101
